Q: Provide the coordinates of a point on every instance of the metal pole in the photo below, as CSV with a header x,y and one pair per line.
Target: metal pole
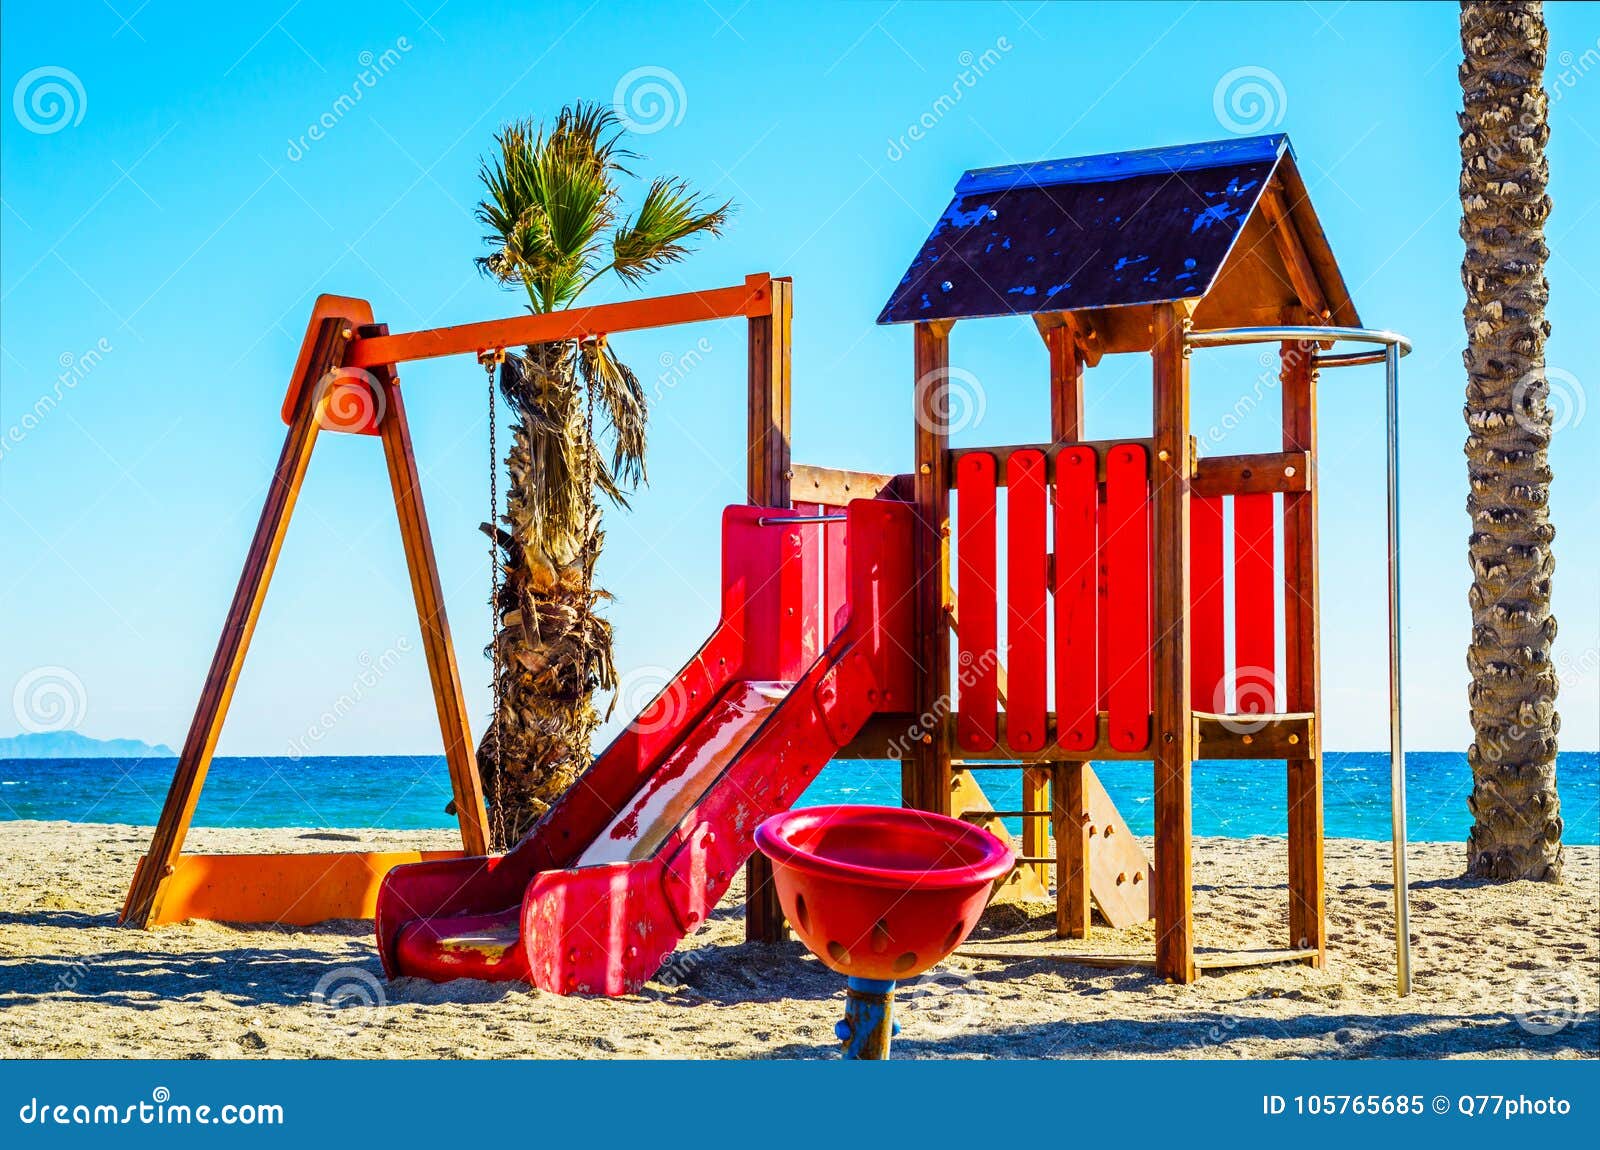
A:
x,y
788,520
1397,762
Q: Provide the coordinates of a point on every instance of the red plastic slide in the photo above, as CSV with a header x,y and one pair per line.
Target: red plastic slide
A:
x,y
815,636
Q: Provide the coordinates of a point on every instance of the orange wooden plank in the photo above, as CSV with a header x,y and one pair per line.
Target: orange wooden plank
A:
x,y
753,298
977,586
1027,626
293,889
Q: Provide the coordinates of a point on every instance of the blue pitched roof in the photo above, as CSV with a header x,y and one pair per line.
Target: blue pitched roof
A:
x,y
1113,230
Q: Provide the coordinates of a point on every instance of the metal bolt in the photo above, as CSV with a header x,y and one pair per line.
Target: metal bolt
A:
x,y
926,469
1289,470
946,286
1163,455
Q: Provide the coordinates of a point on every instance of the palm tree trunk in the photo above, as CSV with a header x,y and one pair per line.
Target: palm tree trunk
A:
x,y
1517,815
551,648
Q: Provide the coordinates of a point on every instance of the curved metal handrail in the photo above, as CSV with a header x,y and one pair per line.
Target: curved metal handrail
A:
x,y
1391,346
1230,336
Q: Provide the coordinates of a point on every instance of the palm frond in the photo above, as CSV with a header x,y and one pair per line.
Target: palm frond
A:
x,y
669,215
622,401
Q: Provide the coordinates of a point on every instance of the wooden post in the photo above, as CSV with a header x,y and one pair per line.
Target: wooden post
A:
x,y
144,896
1173,734
767,480
925,776
1072,867
1070,816
1302,657
445,677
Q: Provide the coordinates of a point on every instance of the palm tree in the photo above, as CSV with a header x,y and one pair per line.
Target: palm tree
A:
x,y
555,226
1516,831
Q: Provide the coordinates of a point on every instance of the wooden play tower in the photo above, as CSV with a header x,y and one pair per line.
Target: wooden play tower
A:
x,y
1112,592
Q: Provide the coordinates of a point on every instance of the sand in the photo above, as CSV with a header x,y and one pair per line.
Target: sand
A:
x,y
1500,971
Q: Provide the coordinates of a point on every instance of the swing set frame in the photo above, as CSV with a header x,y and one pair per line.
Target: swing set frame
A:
x,y
346,380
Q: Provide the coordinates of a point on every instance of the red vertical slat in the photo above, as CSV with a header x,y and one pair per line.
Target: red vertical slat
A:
x,y
1207,666
1077,591
1026,588
1254,649
1126,546
977,643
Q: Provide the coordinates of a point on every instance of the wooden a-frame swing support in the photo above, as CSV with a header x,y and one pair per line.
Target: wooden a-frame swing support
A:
x,y
346,380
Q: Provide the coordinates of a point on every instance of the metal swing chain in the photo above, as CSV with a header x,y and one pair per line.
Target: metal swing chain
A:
x,y
490,359
589,468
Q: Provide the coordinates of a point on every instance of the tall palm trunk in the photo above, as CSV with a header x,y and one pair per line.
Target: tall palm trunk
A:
x,y
552,650
1516,832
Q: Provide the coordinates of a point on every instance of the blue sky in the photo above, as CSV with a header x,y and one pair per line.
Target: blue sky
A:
x,y
162,240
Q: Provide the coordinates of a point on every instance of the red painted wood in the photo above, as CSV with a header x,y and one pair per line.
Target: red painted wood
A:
x,y
533,914
1207,667
1077,592
1126,547
977,587
1254,647
1027,623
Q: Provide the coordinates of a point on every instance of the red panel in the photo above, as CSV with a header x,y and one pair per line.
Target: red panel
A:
x,y
1126,547
1254,649
1077,590
977,587
1206,654
1027,624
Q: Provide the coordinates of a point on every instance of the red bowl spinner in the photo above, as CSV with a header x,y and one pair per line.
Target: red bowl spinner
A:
x,y
881,892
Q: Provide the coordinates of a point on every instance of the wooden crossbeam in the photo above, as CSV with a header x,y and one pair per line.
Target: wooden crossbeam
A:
x,y
1286,238
836,486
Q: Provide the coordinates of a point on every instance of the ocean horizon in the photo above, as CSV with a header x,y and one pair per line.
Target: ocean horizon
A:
x,y
1234,798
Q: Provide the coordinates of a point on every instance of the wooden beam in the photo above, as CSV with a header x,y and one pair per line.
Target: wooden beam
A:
x,y
1286,237
1173,732
1071,823
968,802
449,698
1286,736
925,776
767,478
1302,661
1273,471
755,298
1080,327
835,487
143,905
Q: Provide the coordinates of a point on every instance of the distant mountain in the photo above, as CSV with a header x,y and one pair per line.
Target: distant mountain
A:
x,y
71,745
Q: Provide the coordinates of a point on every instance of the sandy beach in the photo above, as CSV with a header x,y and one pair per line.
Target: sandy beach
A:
x,y
1501,971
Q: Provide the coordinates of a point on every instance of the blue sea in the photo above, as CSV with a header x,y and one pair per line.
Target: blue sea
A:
x,y
1234,798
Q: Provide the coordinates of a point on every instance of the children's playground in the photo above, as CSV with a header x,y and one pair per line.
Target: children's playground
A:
x,y
1028,608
